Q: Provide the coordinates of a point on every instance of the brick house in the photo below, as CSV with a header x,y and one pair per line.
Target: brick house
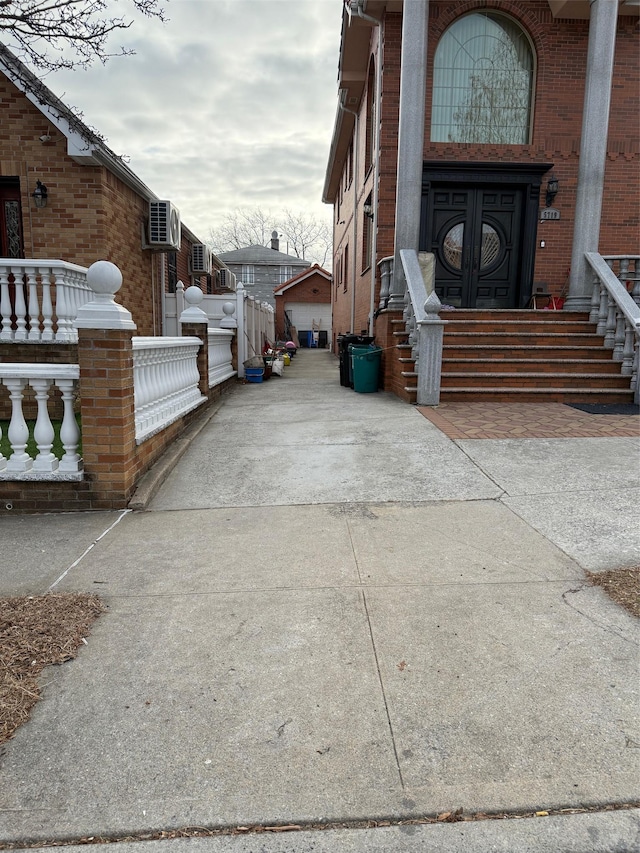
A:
x,y
488,156
261,269
96,206
304,303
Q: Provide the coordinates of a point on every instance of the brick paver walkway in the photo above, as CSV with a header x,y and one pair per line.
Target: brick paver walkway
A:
x,y
526,420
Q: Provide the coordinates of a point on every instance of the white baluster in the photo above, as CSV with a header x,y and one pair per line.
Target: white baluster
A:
x,y
636,366
69,432
34,305
47,305
595,300
18,432
20,307
43,432
627,353
609,336
6,332
64,325
603,312
618,341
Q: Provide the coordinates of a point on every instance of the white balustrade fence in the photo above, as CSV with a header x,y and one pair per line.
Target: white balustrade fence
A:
x,y
220,358
256,323
617,317
19,465
165,381
626,269
39,300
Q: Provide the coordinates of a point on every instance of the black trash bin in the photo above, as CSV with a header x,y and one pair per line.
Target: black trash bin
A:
x,y
344,342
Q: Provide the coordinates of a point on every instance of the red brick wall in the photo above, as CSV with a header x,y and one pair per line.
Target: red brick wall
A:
x,y
91,214
561,53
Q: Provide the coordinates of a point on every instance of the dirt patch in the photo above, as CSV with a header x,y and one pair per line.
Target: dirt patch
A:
x,y
621,585
36,631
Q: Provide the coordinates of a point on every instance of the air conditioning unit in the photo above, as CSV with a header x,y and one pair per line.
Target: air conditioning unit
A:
x,y
164,226
200,259
227,279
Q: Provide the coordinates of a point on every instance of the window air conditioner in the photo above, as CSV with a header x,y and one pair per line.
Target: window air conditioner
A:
x,y
164,226
200,259
227,279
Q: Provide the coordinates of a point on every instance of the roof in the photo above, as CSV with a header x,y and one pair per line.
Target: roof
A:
x,y
261,255
84,145
300,277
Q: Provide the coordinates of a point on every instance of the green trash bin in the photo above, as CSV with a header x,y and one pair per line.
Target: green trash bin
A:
x,y
366,368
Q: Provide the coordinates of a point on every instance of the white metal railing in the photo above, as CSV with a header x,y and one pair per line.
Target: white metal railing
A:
x,y
39,300
165,382
220,358
424,327
19,465
617,317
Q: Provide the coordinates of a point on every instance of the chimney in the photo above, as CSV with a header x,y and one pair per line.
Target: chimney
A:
x,y
275,243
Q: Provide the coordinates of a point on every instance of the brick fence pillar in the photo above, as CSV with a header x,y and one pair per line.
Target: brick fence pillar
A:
x,y
105,357
193,322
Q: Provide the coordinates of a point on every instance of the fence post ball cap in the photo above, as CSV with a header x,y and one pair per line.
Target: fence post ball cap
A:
x,y
104,277
228,308
193,295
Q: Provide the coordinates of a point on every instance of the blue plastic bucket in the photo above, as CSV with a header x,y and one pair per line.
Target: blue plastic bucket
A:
x,y
254,374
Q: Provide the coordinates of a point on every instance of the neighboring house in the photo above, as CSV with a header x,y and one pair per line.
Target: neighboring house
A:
x,y
261,269
488,179
304,303
95,206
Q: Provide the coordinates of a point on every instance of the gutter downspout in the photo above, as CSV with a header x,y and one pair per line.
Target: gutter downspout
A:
x,y
355,209
376,181
374,223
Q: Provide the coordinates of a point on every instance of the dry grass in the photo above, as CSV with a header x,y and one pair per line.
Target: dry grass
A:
x,y
36,631
622,585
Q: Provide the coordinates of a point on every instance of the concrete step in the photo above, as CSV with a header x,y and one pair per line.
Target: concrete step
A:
x,y
538,353
511,339
530,365
587,381
534,395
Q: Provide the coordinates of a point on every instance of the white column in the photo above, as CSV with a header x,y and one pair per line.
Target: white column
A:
x,y
413,71
593,149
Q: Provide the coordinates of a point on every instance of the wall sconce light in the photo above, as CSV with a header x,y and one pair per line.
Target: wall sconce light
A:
x,y
40,194
552,190
368,210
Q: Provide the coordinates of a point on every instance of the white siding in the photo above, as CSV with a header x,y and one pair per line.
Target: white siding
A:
x,y
302,315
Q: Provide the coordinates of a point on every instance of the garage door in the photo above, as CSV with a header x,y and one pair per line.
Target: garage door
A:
x,y
304,314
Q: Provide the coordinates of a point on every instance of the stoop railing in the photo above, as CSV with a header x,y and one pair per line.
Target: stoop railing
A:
x,y
424,327
617,316
39,300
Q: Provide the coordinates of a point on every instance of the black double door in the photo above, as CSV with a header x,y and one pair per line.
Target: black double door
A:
x,y
476,236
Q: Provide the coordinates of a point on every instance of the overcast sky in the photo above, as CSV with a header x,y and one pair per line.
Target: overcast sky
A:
x,y
231,103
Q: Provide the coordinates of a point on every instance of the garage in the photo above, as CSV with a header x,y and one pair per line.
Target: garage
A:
x,y
303,308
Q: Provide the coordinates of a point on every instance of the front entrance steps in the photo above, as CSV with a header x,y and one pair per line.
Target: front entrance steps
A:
x,y
523,356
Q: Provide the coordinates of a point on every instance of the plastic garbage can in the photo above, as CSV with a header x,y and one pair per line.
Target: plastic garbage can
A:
x,y
344,356
366,368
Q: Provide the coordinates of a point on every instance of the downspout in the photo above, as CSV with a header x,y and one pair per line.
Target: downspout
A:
x,y
346,109
359,10
376,181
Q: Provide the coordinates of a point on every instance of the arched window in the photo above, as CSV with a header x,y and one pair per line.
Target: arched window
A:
x,y
483,82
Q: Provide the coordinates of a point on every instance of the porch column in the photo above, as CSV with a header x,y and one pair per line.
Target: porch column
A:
x,y
413,84
593,149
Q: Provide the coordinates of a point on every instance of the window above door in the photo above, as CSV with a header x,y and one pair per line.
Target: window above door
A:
x,y
483,82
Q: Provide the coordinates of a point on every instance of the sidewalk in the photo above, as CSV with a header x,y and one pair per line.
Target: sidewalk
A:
x,y
332,612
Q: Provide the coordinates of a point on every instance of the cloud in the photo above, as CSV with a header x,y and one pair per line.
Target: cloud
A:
x,y
231,103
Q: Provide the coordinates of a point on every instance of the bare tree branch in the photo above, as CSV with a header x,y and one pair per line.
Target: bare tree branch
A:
x,y
300,234
55,34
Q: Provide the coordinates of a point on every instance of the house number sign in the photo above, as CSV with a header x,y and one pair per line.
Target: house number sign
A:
x,y
549,213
